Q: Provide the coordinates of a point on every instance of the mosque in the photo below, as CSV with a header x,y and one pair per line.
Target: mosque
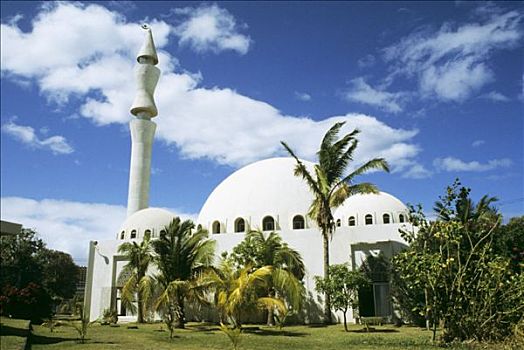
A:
x,y
264,195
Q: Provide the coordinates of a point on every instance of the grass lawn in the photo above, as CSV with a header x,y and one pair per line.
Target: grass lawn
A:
x,y
13,333
200,336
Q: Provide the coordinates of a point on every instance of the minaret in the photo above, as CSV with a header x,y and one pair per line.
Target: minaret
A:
x,y
142,128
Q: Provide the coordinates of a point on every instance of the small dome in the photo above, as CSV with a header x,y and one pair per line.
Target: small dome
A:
x,y
377,205
257,192
152,219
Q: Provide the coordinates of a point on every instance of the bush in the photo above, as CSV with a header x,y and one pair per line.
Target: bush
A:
x,y
29,303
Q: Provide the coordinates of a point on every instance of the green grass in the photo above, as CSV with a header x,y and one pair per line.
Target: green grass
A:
x,y
13,333
198,336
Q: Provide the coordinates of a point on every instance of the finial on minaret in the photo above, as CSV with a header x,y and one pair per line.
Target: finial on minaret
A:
x,y
148,50
146,75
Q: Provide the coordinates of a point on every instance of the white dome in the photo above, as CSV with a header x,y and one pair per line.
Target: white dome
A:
x,y
376,205
153,219
264,188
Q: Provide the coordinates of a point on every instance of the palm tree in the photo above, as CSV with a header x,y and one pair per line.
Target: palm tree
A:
x,y
182,254
237,290
331,186
287,267
139,256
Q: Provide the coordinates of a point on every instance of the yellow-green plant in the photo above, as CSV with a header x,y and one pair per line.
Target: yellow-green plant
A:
x,y
233,334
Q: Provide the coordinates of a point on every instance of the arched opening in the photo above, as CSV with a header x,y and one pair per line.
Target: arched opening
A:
x,y
401,218
386,218
240,225
147,233
216,227
268,223
133,234
352,221
122,234
298,222
162,232
369,219
339,222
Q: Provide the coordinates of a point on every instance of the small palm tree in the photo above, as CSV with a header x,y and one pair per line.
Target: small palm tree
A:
x,y
237,290
288,269
331,185
182,254
139,256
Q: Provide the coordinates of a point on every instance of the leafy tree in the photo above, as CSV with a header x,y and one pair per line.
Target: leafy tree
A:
x,y
342,286
18,260
139,256
33,277
59,273
331,186
182,255
257,250
472,292
508,241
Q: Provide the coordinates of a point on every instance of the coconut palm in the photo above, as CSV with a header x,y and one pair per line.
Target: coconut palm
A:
x,y
288,269
182,254
331,185
139,256
238,290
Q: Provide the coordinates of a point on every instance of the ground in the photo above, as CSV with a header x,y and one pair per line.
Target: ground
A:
x,y
199,336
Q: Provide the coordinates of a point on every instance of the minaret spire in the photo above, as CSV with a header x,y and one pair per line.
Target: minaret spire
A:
x,y
142,128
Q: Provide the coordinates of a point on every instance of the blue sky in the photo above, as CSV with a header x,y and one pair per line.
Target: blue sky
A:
x,y
435,87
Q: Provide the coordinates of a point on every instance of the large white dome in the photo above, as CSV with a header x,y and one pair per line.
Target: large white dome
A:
x,y
377,205
261,189
152,219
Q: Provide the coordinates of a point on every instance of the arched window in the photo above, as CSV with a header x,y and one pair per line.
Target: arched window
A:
x,y
216,227
386,218
298,222
369,219
240,225
351,221
147,232
339,223
133,234
401,218
122,234
268,224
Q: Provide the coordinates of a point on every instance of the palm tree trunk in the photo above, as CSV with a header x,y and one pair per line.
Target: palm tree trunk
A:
x,y
140,314
327,298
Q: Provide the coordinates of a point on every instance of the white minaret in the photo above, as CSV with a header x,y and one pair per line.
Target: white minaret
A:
x,y
142,128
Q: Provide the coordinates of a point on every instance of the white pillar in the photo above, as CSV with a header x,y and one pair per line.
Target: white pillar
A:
x,y
142,135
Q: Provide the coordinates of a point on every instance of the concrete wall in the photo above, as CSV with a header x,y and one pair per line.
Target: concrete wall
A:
x,y
105,264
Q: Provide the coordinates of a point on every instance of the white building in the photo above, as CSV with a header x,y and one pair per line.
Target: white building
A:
x,y
264,195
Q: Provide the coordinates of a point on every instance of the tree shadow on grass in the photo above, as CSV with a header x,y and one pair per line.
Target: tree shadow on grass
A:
x,y
373,330
42,339
274,332
13,331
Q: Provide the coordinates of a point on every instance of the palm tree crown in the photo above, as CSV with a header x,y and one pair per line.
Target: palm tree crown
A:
x,y
331,186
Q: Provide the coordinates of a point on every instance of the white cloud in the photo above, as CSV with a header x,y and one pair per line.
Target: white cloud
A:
x,y
478,143
302,96
66,225
417,171
366,61
210,28
218,124
495,96
451,63
27,135
362,92
455,164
